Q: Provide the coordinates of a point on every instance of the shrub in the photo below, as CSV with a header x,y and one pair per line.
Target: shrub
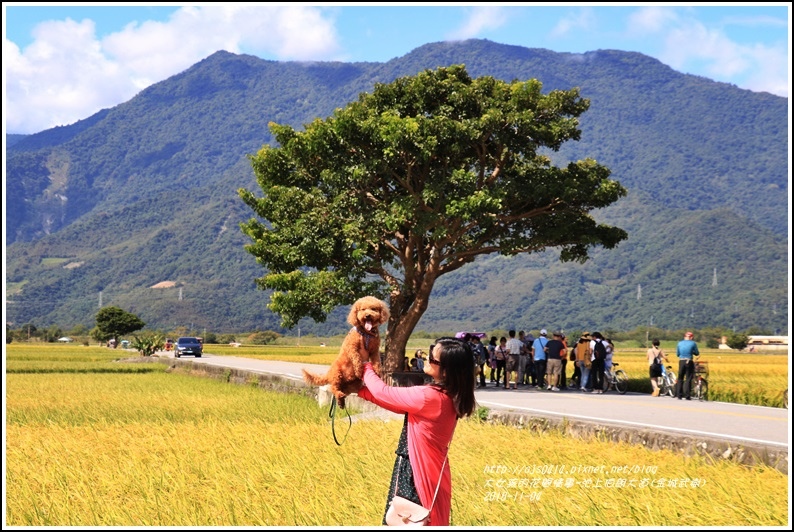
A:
x,y
263,337
148,345
225,339
738,341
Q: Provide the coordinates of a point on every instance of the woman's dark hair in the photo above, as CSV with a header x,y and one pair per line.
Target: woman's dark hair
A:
x,y
456,363
655,342
493,340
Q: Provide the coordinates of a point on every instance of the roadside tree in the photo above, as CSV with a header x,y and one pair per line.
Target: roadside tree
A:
x,y
412,182
112,322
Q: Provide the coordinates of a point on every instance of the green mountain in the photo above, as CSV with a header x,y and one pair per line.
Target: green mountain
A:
x,y
136,206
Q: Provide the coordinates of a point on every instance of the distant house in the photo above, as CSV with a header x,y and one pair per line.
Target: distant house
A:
x,y
758,344
65,339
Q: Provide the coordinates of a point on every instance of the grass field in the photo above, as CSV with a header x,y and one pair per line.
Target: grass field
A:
x,y
110,447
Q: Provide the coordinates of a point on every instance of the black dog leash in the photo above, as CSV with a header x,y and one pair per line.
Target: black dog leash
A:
x,y
332,415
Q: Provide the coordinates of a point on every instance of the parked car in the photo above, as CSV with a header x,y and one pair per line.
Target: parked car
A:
x,y
187,345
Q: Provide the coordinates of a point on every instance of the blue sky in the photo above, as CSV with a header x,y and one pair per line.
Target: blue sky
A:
x,y
63,63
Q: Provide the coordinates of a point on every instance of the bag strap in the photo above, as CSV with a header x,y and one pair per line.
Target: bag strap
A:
x,y
440,475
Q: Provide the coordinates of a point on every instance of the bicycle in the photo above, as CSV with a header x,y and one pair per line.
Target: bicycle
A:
x,y
616,379
700,384
667,382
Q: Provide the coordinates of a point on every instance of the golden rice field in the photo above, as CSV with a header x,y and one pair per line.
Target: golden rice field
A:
x,y
150,448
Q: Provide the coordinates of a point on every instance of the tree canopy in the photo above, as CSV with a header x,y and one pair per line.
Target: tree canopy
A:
x,y
413,181
112,322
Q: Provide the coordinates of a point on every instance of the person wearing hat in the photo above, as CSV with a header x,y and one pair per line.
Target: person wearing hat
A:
x,y
583,360
539,355
555,350
686,350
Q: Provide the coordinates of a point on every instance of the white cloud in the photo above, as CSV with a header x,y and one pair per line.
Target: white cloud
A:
x,y
650,20
61,77
764,68
773,74
687,42
583,19
480,19
67,73
693,42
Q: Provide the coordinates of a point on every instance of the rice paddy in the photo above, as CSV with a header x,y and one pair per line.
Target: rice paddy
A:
x,y
91,443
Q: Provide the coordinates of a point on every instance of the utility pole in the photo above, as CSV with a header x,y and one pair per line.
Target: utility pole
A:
x,y
100,299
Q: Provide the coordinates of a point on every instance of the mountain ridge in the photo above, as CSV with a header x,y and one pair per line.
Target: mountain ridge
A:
x,y
125,171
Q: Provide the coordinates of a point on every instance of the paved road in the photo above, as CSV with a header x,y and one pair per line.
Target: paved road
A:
x,y
762,425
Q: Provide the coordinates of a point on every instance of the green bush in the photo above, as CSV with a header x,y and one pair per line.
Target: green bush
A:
x,y
149,344
263,337
738,341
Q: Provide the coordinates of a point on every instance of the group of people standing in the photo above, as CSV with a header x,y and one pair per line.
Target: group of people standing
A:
x,y
523,360
592,358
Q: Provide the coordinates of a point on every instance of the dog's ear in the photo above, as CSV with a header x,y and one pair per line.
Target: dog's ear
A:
x,y
352,317
384,312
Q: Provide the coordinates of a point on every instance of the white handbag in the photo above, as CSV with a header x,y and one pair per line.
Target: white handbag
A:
x,y
403,512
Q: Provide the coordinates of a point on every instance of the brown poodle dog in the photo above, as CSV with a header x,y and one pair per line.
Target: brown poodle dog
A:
x,y
347,370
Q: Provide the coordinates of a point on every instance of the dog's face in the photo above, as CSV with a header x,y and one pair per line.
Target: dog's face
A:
x,y
368,312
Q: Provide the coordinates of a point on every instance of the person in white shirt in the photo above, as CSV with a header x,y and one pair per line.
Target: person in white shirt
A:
x,y
514,348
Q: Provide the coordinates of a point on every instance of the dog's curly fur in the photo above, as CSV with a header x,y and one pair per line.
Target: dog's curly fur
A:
x,y
347,370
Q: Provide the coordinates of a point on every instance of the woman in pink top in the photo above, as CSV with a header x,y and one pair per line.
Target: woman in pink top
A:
x,y
431,413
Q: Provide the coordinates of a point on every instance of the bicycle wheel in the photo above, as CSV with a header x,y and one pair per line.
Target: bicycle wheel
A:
x,y
621,381
669,383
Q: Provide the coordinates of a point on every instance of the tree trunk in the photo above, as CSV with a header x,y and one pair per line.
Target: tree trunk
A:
x,y
404,315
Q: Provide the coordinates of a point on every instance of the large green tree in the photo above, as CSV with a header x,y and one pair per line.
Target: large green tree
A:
x,y
112,322
413,181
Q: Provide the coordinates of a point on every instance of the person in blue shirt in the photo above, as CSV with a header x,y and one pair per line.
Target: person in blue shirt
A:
x,y
686,351
539,356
